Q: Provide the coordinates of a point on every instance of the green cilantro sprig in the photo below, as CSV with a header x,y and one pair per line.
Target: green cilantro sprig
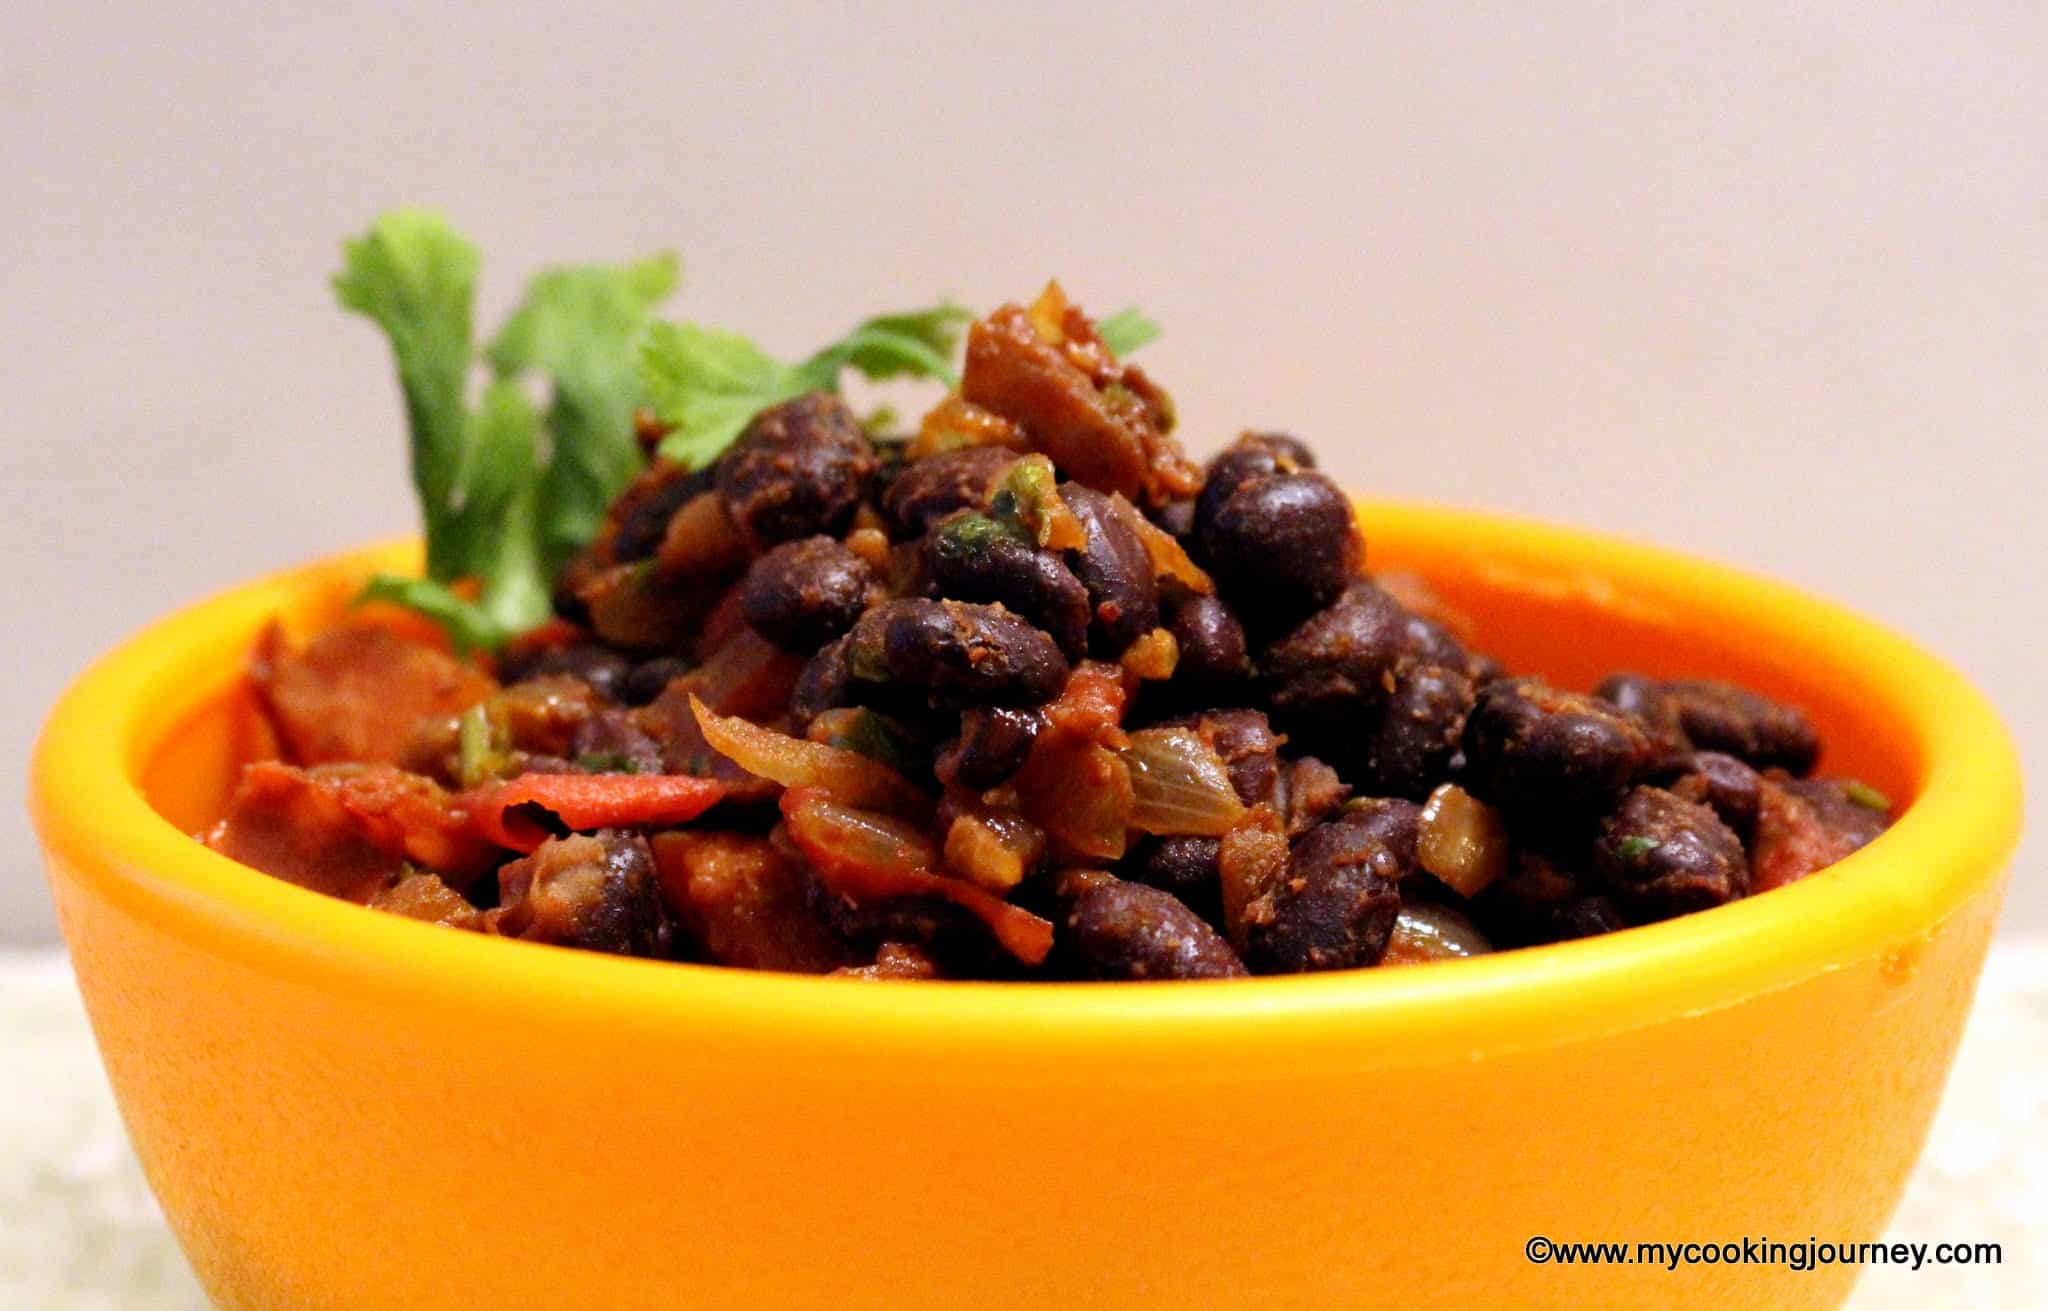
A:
x,y
708,383
507,490
510,488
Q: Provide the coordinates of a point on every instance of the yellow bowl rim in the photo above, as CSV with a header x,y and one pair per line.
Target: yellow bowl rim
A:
x,y
1950,845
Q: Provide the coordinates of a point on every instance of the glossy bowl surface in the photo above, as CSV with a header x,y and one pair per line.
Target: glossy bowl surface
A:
x,y
342,1109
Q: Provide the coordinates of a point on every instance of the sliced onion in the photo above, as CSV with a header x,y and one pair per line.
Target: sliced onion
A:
x,y
1179,784
1078,792
847,776
993,848
869,857
1425,932
1463,840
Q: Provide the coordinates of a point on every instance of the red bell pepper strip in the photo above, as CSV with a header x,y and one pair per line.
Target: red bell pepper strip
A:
x,y
587,801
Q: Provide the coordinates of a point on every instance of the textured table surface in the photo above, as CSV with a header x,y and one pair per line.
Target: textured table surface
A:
x,y
79,1230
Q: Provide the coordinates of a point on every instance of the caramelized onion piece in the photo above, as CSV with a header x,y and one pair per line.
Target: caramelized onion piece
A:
x,y
1463,840
848,776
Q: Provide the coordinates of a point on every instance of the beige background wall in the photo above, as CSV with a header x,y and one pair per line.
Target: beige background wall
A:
x,y
1773,286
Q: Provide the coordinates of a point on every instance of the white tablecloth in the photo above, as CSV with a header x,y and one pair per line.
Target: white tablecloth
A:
x,y
79,1226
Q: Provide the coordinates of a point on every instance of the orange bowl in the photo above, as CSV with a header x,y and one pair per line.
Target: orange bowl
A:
x,y
344,1109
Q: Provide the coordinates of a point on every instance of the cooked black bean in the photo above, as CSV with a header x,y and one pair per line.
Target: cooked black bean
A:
x,y
1251,457
1853,810
602,668
1582,917
650,678
993,744
1645,699
1334,909
1121,930
1723,717
799,468
611,742
1333,673
1183,865
1115,567
953,655
1550,756
1177,518
1213,654
1282,546
804,593
1730,787
648,506
1394,822
824,684
1716,716
1247,745
1310,792
1419,732
972,557
939,485
599,893
1660,855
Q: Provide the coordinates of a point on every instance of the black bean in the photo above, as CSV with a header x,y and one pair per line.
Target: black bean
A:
x,y
1177,518
972,557
1310,793
1410,751
804,593
1253,456
993,744
1550,756
1730,787
1852,810
1115,567
1644,698
1282,546
952,655
646,507
1335,907
1581,917
1185,866
1247,745
599,893
650,678
824,684
1394,822
1120,930
1722,717
1211,642
1660,855
799,468
930,489
1333,672
602,668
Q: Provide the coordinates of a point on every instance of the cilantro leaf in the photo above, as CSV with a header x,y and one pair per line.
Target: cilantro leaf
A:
x,y
581,325
1126,330
415,277
708,383
465,622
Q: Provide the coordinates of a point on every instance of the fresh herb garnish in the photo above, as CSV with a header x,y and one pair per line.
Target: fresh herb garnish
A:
x,y
707,383
506,492
510,488
1866,796
1126,330
1635,848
